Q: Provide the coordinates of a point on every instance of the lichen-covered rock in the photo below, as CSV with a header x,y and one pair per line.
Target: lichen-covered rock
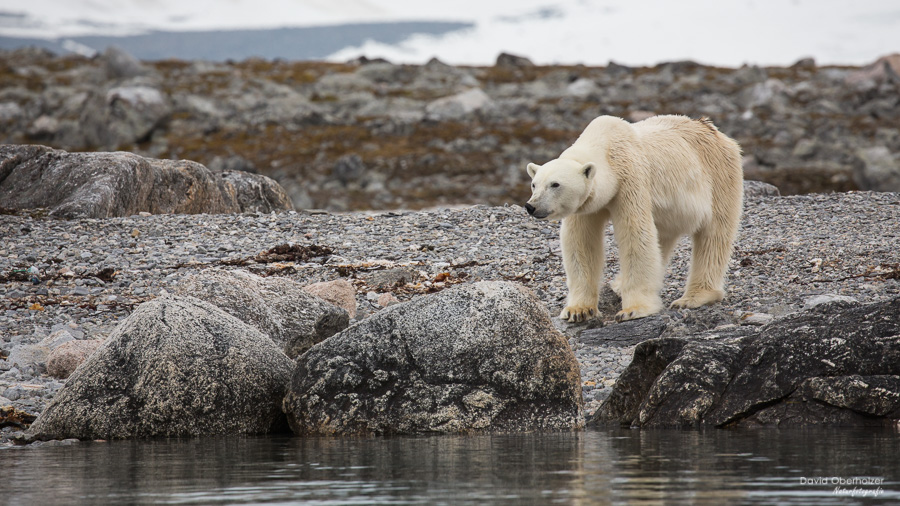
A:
x,y
279,307
177,366
478,357
389,279
835,364
105,185
840,400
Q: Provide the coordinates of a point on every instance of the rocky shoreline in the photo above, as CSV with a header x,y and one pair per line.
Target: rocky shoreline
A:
x,y
794,253
92,238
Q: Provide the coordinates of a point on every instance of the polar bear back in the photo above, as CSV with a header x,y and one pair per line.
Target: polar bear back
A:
x,y
691,171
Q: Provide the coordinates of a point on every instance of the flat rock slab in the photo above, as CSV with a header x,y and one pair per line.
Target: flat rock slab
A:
x,y
836,364
624,334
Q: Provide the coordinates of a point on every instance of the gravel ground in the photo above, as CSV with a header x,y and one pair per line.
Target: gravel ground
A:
x,y
92,273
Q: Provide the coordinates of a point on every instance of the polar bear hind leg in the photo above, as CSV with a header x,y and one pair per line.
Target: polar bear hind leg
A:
x,y
714,240
710,253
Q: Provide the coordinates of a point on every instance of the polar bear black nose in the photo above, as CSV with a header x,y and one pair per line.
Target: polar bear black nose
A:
x,y
529,208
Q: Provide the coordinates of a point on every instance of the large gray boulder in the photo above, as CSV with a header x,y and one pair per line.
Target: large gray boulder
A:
x,y
756,189
459,105
120,115
64,359
475,358
836,364
121,64
177,366
279,307
104,185
255,193
111,103
879,171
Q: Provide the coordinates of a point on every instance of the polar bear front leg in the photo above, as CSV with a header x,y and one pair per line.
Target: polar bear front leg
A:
x,y
666,246
640,277
582,240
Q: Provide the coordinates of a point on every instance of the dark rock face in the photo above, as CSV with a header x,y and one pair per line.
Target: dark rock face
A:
x,y
479,357
177,366
844,400
836,364
511,60
294,319
104,185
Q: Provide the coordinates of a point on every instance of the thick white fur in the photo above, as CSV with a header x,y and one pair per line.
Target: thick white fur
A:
x,y
656,180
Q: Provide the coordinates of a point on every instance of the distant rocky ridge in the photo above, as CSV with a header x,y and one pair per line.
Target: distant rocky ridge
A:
x,y
303,43
374,135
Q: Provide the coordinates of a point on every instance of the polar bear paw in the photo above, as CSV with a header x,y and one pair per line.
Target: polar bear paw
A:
x,y
577,313
635,312
697,299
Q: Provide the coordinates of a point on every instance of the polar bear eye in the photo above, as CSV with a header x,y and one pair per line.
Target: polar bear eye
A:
x,y
554,185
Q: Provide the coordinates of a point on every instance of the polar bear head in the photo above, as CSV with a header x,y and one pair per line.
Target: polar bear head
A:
x,y
559,188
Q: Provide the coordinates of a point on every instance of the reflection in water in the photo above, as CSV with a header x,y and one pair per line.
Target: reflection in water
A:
x,y
592,467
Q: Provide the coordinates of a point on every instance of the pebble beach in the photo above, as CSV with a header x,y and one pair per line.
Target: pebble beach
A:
x,y
793,252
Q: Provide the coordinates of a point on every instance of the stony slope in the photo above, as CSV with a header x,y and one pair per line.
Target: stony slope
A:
x,y
372,135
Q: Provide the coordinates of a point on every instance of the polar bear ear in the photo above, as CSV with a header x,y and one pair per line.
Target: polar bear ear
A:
x,y
532,169
588,170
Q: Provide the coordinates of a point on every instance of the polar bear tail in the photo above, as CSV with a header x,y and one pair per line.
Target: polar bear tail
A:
x,y
705,121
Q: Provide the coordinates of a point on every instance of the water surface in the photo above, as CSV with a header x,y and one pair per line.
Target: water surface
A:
x,y
592,467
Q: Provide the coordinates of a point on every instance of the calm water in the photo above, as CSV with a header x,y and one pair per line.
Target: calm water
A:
x,y
592,467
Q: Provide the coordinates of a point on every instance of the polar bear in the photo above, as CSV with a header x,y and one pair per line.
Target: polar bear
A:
x,y
656,180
